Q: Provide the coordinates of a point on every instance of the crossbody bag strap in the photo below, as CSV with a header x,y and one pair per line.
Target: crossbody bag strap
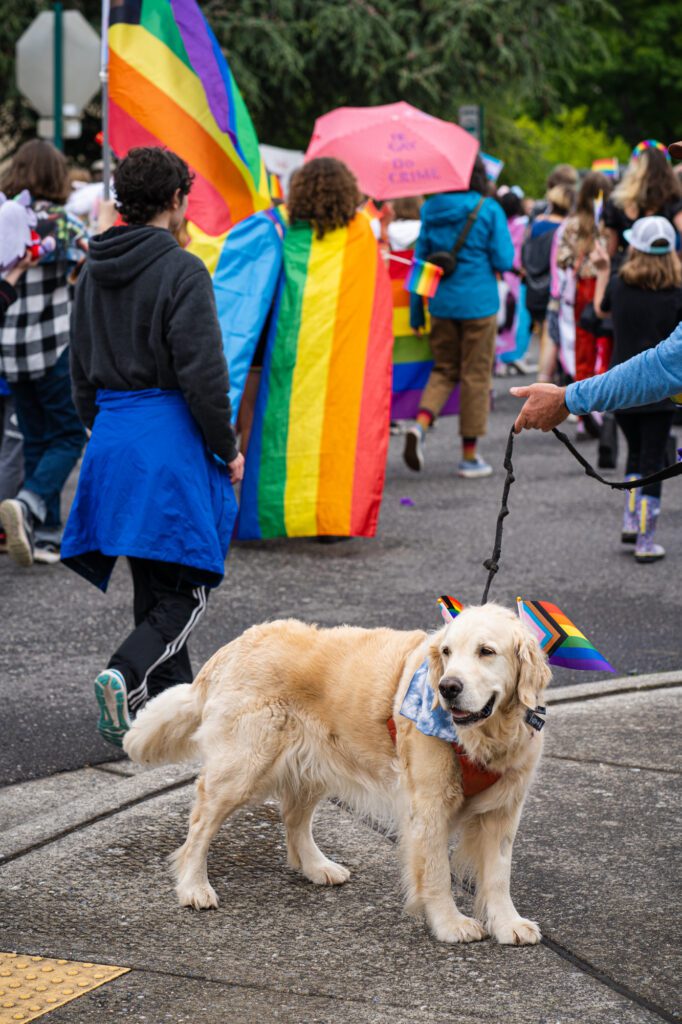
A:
x,y
464,234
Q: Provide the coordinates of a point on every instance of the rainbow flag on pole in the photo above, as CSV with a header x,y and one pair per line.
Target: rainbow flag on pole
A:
x,y
317,453
607,165
561,640
170,85
423,278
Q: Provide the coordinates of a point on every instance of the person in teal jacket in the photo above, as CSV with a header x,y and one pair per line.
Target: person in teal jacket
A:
x,y
463,315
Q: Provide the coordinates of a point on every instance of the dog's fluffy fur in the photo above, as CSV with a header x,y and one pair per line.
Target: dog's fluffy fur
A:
x,y
299,713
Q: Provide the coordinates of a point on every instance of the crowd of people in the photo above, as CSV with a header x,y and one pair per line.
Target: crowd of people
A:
x,y
116,335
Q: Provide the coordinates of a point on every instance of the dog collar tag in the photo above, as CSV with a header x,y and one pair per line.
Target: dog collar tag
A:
x,y
534,720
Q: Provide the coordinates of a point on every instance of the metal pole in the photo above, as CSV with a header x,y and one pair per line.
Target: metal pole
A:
x,y
58,75
104,79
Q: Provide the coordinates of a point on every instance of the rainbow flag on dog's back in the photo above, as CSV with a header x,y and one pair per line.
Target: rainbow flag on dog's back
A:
x,y
317,453
170,85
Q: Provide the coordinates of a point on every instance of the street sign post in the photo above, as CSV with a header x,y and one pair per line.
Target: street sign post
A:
x,y
38,73
470,118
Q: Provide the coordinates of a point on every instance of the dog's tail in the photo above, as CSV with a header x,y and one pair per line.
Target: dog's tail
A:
x,y
163,731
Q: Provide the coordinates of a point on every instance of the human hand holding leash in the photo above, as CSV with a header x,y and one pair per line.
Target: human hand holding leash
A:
x,y
236,469
544,409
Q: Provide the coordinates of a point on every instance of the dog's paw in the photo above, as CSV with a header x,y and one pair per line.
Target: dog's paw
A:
x,y
201,897
326,872
517,932
459,928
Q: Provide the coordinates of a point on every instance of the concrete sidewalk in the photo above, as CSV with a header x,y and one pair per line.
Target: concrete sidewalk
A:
x,y
83,877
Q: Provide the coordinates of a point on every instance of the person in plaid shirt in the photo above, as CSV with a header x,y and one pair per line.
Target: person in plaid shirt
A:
x,y
34,359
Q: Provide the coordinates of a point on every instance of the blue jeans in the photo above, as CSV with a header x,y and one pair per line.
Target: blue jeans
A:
x,y
53,438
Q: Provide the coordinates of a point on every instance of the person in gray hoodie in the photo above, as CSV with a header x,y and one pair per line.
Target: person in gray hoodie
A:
x,y
150,380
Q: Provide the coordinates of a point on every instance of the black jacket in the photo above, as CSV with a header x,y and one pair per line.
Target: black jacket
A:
x,y
144,316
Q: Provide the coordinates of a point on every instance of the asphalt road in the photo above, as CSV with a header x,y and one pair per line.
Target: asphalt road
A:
x,y
561,543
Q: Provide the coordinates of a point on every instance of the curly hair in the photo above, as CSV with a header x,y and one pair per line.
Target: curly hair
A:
x,y
41,168
325,193
146,181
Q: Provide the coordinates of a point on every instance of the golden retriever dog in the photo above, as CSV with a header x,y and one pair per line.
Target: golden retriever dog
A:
x,y
299,713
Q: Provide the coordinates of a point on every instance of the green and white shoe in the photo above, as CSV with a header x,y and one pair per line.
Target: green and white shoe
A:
x,y
112,698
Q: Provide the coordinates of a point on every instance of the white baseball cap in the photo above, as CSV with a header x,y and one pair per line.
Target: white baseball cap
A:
x,y
653,235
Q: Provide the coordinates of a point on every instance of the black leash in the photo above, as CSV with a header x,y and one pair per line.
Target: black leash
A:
x,y
492,564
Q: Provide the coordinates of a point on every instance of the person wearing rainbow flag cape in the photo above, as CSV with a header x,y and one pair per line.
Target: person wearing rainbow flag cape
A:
x,y
150,380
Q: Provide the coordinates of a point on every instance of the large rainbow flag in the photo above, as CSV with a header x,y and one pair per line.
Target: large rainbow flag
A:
x,y
412,359
317,453
170,85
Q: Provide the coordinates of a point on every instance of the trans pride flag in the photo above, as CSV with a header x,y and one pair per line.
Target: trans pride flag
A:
x,y
317,452
170,85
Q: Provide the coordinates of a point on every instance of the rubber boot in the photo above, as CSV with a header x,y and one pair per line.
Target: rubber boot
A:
x,y
631,511
649,511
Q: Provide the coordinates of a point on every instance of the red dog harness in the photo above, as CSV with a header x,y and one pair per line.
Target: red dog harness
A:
x,y
475,779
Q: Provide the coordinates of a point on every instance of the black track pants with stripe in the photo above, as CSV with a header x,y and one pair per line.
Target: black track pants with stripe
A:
x,y
167,608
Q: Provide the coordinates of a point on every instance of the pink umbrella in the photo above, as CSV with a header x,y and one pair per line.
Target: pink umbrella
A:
x,y
396,150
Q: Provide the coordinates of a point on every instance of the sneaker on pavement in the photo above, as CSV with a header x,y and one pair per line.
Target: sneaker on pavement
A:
x,y
47,552
413,452
470,469
17,522
112,697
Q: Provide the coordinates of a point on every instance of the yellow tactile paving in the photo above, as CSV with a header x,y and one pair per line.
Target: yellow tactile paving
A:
x,y
31,986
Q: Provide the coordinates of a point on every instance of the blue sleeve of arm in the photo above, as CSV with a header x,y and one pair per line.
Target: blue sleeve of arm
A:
x,y
648,377
502,257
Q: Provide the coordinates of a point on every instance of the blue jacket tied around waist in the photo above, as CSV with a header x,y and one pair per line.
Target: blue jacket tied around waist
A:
x,y
149,488
471,291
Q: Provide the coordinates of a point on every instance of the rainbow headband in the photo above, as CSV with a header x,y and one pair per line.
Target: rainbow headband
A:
x,y
559,637
645,144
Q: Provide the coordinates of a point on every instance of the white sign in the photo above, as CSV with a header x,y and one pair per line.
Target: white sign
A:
x,y
81,61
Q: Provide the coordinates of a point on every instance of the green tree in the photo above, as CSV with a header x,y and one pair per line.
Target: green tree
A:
x,y
635,87
531,148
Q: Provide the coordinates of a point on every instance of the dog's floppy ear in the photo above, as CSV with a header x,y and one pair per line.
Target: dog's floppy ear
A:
x,y
533,671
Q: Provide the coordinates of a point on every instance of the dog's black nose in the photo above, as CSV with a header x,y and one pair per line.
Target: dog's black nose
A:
x,y
450,687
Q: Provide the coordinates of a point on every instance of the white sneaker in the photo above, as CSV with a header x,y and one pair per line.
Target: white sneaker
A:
x,y
413,452
471,469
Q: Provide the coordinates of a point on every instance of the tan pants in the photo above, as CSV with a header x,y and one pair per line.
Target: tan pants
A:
x,y
463,351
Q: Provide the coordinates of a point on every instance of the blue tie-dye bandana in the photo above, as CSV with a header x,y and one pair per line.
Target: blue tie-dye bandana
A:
x,y
417,706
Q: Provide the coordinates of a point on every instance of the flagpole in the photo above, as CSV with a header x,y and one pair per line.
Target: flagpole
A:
x,y
104,79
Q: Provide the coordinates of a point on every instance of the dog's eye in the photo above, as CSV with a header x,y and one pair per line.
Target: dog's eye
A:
x,y
487,652
445,652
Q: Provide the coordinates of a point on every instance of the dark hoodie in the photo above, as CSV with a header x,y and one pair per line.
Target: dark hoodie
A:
x,y
144,316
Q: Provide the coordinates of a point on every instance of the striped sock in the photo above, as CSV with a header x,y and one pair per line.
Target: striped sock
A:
x,y
469,449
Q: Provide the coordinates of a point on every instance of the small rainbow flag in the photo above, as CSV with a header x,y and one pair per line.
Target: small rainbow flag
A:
x,y
450,607
598,207
412,356
170,85
423,278
607,165
561,640
317,453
